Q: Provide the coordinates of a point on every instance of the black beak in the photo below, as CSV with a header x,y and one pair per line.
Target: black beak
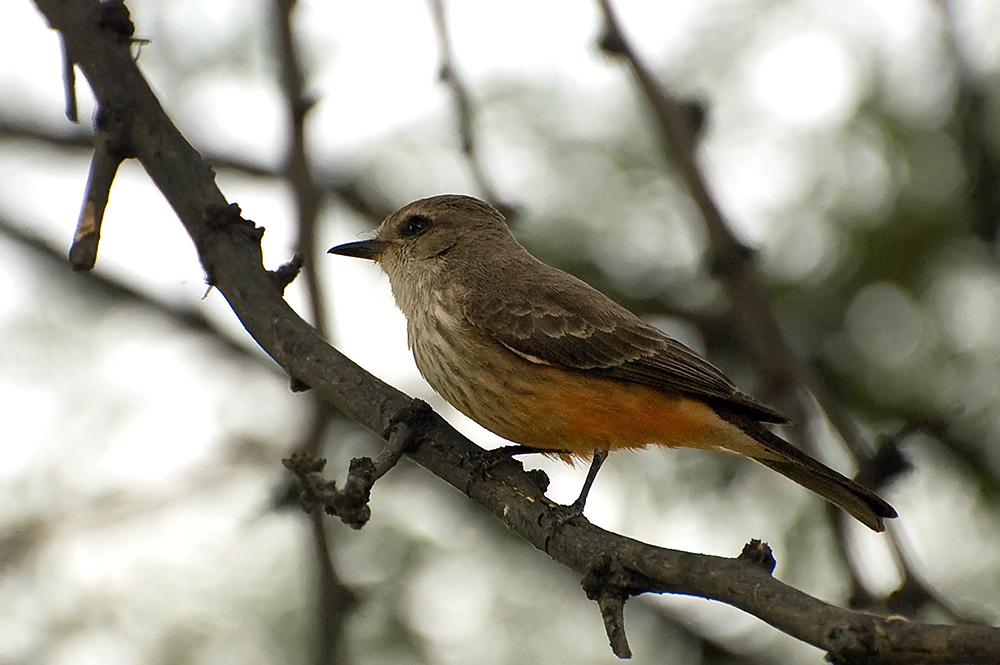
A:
x,y
363,249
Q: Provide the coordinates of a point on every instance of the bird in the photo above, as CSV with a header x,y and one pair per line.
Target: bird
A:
x,y
551,364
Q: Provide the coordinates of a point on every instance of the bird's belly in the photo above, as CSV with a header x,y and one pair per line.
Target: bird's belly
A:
x,y
550,408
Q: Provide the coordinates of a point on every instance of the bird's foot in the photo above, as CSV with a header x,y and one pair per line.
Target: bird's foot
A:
x,y
562,513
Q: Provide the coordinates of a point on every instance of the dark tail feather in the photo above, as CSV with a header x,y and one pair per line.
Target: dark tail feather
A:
x,y
862,504
781,456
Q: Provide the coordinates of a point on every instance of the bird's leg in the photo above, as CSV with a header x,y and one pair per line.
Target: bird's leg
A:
x,y
595,466
561,514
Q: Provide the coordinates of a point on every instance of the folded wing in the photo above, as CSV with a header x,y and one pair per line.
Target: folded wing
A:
x,y
564,322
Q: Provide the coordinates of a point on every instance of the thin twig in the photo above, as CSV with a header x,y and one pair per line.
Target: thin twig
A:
x,y
110,150
69,84
185,316
331,615
350,503
308,195
464,114
783,372
365,203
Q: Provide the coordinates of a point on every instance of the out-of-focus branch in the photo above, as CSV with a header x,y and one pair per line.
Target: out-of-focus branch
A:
x,y
185,316
972,128
334,600
783,374
349,193
308,195
756,324
464,113
916,593
77,138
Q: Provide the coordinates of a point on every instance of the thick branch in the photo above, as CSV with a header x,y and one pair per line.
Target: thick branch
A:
x,y
230,251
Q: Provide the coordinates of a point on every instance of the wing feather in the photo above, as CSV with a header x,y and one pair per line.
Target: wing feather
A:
x,y
564,322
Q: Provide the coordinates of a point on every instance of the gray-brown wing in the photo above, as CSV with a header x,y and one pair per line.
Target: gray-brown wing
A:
x,y
562,321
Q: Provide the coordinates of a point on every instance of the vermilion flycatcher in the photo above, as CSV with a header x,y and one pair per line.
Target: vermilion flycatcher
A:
x,y
544,360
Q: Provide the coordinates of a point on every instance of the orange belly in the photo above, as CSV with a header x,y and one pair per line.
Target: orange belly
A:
x,y
549,408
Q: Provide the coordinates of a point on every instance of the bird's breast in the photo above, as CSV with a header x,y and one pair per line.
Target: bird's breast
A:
x,y
440,348
547,407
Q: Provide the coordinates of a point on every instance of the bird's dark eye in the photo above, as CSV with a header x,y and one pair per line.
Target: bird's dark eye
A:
x,y
414,225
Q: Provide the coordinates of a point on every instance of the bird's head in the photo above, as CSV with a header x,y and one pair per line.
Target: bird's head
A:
x,y
424,236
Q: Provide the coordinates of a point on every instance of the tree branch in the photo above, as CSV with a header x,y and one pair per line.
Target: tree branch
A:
x,y
350,193
971,127
782,372
229,248
332,611
463,111
188,317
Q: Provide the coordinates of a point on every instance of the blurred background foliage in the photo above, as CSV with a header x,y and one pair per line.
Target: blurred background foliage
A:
x,y
853,145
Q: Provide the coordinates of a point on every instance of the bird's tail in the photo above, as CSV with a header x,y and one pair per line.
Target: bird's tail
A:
x,y
781,456
866,506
